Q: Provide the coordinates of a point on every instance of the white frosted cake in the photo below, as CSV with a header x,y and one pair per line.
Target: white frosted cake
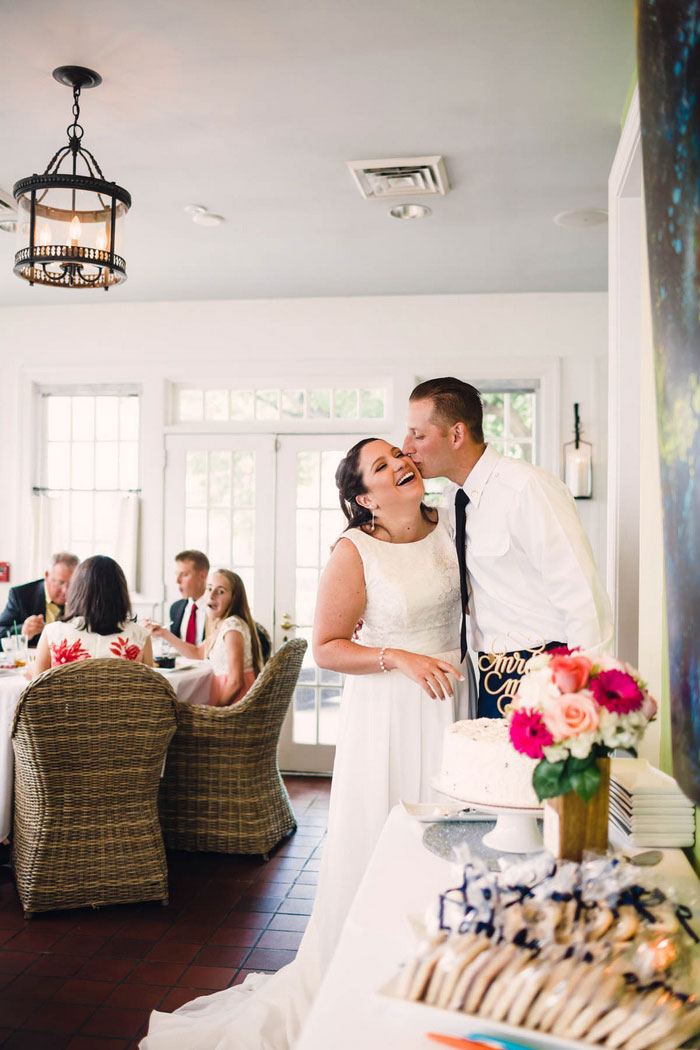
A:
x,y
480,765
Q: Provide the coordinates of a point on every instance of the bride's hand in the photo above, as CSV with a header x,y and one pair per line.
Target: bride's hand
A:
x,y
431,675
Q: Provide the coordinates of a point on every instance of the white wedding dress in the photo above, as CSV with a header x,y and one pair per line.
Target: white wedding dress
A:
x,y
389,748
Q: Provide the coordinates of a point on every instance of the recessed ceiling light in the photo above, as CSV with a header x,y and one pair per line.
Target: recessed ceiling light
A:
x,y
582,218
409,211
208,218
195,209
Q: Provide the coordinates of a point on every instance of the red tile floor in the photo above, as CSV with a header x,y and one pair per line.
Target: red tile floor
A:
x,y
87,980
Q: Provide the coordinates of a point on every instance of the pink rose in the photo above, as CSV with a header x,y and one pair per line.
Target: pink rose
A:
x,y
570,673
571,715
649,707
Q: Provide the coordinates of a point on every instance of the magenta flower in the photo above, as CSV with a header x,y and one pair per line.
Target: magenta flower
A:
x,y
616,691
528,733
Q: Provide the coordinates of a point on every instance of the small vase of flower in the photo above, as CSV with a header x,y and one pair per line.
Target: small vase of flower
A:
x,y
570,712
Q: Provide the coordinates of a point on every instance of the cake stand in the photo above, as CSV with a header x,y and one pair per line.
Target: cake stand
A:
x,y
516,828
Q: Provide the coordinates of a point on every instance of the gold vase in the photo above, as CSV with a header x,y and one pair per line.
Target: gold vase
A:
x,y
572,826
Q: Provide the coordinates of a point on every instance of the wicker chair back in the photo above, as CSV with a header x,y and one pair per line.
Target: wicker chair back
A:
x,y
222,790
90,739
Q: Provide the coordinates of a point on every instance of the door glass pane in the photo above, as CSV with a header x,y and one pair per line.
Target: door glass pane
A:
x,y
319,522
307,537
196,529
308,474
196,479
220,479
243,538
219,538
328,715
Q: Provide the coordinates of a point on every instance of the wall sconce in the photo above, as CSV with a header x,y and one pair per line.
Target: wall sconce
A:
x,y
578,463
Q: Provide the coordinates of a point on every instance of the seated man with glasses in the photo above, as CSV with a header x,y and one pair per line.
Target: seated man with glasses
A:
x,y
32,605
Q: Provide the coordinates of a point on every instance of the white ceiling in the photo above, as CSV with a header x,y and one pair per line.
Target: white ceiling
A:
x,y
252,108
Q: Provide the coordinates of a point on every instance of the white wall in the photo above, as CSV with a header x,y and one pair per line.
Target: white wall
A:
x,y
474,336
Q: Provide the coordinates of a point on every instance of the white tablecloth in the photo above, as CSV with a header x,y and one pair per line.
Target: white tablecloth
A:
x,y
190,685
402,879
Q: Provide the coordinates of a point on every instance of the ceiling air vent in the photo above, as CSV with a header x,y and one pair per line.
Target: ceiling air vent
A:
x,y
8,212
400,177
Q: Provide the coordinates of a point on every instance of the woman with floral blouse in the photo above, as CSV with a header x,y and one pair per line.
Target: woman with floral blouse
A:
x,y
97,620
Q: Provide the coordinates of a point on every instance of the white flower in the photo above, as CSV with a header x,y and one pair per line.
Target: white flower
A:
x,y
556,752
581,745
536,688
536,663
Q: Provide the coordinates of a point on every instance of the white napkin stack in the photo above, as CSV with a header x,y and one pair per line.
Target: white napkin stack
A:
x,y
648,807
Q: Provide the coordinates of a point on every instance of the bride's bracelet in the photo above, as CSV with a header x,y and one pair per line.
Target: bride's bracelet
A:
x,y
381,660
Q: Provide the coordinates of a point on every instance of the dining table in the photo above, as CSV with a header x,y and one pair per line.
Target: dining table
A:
x,y
191,682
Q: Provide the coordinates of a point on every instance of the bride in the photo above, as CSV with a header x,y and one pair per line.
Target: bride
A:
x,y
394,574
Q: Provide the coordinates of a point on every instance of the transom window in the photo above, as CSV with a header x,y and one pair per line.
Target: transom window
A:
x,y
271,404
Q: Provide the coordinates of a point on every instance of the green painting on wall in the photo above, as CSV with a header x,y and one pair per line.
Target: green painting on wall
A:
x,y
668,46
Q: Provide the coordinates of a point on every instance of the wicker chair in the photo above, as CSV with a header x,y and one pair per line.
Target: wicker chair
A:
x,y
89,740
222,791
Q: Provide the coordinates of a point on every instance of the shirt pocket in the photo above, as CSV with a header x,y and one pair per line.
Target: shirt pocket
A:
x,y
492,544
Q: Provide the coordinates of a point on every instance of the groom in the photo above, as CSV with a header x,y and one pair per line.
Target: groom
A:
x,y
527,573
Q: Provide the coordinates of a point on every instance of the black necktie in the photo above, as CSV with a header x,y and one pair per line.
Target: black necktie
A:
x,y
461,500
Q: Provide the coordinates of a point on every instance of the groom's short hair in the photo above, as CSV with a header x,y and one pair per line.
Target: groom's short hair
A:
x,y
453,402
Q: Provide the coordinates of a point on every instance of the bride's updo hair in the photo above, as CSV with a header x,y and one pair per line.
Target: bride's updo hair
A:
x,y
348,478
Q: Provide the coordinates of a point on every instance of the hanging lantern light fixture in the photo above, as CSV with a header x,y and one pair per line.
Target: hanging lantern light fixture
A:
x,y
578,463
70,224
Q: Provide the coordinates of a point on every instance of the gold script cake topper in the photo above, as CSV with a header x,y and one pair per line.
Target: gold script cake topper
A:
x,y
500,661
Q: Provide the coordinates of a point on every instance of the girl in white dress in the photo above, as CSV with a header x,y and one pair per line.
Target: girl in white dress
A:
x,y
231,642
395,569
97,620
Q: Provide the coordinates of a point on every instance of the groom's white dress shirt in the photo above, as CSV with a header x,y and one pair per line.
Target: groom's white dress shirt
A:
x,y
531,570
200,619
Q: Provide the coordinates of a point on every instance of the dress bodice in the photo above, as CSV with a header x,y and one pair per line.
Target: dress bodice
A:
x,y
413,596
217,654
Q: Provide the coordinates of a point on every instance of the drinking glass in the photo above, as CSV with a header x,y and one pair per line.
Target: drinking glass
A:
x,y
21,653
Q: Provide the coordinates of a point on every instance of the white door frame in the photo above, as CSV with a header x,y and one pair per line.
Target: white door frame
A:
x,y
624,383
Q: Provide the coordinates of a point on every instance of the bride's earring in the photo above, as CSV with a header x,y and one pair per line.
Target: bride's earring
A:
x,y
371,528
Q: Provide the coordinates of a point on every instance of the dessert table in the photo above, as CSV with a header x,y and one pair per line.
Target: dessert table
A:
x,y
190,683
403,878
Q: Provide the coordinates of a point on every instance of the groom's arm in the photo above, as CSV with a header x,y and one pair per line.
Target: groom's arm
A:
x,y
547,524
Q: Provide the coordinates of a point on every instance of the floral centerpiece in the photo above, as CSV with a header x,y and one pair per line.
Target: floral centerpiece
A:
x,y
571,710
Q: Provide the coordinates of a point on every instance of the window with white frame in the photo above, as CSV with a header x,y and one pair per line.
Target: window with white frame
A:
x,y
510,426
89,467
275,404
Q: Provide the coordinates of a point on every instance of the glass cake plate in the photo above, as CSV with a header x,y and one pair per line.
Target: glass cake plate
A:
x,y
516,828
437,812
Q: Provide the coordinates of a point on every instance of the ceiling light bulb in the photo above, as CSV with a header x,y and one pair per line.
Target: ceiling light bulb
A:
x,y
101,242
75,231
409,211
45,235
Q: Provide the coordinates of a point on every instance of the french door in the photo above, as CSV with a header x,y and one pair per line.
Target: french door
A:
x,y
267,507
